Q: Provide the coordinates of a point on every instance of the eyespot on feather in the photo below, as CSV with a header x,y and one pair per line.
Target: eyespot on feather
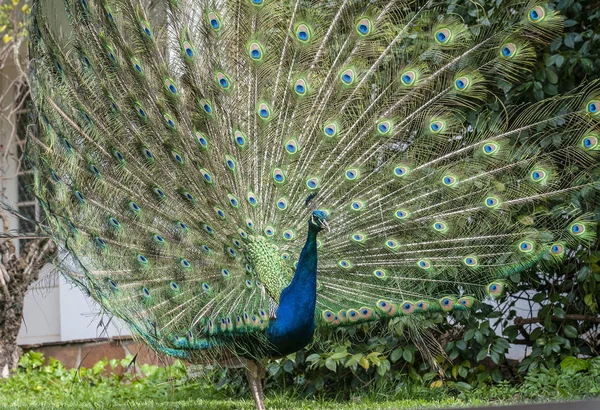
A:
x,y
364,27
440,226
443,36
462,83
408,308
508,50
214,20
471,261
303,33
384,127
495,289
490,148
590,142
408,77
536,14
255,51
402,214
526,246
492,202
331,130
401,171
348,76
593,107
278,176
447,304
466,301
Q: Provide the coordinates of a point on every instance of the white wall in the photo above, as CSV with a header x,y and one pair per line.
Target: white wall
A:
x,y
57,311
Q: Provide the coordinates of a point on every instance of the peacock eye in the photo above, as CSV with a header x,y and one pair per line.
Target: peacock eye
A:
x,y
401,171
330,130
492,202
303,33
312,183
526,246
490,148
449,180
424,264
440,227
384,127
348,76
363,27
443,36
408,77
462,83
537,14
590,142
300,87
593,107
256,52
278,176
577,229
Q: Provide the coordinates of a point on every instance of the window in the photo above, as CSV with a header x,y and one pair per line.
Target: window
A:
x,y
26,202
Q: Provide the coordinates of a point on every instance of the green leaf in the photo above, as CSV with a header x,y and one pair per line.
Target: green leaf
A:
x,y
588,299
482,355
469,334
288,366
495,357
313,357
496,375
352,361
331,364
479,337
339,355
570,331
396,354
407,355
99,367
559,312
273,368
463,386
572,365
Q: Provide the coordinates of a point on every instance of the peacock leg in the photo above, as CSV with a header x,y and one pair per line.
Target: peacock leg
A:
x,y
255,375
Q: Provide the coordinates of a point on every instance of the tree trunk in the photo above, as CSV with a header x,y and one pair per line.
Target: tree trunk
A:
x,y
17,272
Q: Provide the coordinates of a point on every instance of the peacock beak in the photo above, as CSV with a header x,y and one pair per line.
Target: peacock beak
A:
x,y
325,225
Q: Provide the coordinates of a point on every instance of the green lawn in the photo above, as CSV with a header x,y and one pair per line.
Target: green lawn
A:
x,y
38,386
272,402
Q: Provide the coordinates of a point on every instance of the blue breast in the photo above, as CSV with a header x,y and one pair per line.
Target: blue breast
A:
x,y
295,324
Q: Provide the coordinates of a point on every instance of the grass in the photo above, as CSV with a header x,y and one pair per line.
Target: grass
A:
x,y
38,386
272,402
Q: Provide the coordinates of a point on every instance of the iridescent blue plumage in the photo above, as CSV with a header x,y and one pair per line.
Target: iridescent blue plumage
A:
x,y
294,325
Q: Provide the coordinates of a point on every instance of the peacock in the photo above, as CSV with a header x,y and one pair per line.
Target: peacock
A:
x,y
233,178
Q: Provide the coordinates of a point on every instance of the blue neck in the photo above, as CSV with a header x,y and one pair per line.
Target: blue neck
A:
x,y
295,324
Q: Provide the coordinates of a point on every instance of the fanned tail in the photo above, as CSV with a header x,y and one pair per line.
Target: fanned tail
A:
x,y
177,148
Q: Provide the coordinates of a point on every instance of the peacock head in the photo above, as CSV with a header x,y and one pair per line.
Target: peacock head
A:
x,y
318,221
